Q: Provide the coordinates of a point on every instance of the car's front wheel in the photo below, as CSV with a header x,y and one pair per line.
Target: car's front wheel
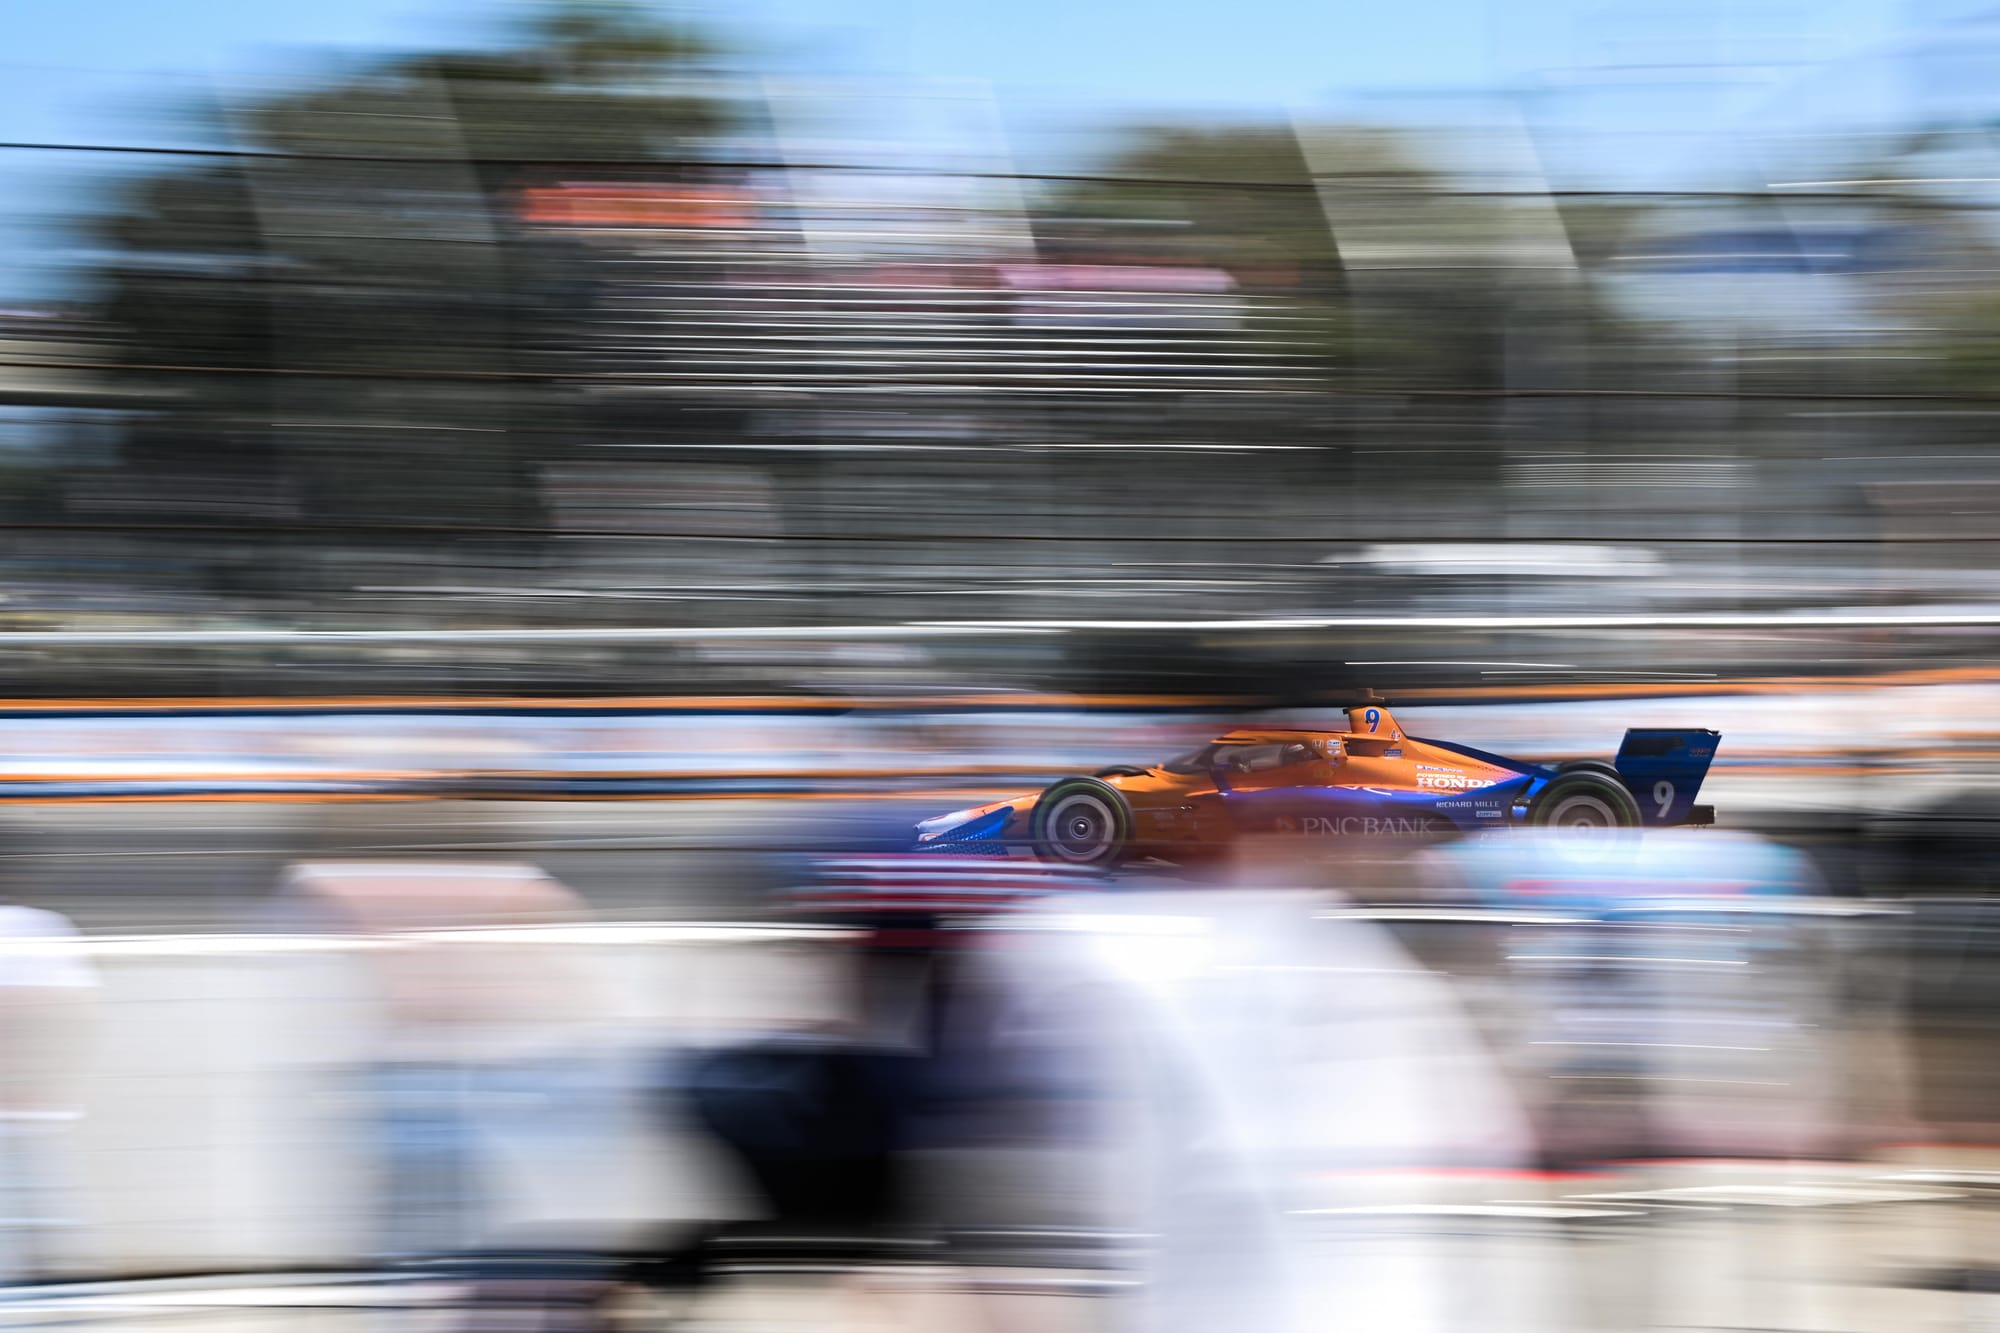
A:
x,y
1082,822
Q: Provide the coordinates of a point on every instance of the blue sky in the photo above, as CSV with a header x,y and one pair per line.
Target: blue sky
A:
x,y
1645,86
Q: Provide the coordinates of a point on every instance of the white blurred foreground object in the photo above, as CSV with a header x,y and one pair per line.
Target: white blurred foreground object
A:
x,y
46,989
490,1045
1248,1059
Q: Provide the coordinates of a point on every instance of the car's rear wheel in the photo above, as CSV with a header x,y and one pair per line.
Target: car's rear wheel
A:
x,y
1082,822
1583,800
1601,767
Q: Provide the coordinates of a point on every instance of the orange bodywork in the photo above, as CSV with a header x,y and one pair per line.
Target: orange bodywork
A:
x,y
1369,778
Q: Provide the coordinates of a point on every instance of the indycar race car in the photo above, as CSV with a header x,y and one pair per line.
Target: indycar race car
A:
x,y
1370,779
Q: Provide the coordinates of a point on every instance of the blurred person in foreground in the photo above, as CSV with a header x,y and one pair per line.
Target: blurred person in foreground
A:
x,y
484,1047
1234,1068
47,993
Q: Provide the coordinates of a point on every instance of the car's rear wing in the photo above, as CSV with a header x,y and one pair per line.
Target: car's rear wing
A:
x,y
1663,769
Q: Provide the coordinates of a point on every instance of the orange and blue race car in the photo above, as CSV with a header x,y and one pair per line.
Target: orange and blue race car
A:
x,y
1370,779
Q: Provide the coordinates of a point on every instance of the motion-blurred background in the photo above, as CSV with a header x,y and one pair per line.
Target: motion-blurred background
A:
x,y
856,318
722,431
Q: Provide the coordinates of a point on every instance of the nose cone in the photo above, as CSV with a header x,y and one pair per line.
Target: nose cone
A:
x,y
979,823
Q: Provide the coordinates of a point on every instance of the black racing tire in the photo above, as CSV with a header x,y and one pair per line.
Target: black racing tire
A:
x,y
1120,771
1601,766
1082,822
1584,799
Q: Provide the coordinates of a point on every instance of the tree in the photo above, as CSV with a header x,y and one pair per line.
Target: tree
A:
x,y
1237,196
1394,277
343,313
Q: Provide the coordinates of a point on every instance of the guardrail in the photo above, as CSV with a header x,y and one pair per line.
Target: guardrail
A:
x,y
919,629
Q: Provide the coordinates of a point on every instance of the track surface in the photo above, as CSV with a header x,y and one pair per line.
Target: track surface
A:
x,y
210,866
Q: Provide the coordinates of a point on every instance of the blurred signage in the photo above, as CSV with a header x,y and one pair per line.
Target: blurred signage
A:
x,y
1158,298
1115,278
586,204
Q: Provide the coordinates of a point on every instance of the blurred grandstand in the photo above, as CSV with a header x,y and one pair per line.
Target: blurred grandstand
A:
x,y
654,343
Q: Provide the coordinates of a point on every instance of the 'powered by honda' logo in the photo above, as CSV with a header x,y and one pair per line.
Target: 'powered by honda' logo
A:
x,y
1451,782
